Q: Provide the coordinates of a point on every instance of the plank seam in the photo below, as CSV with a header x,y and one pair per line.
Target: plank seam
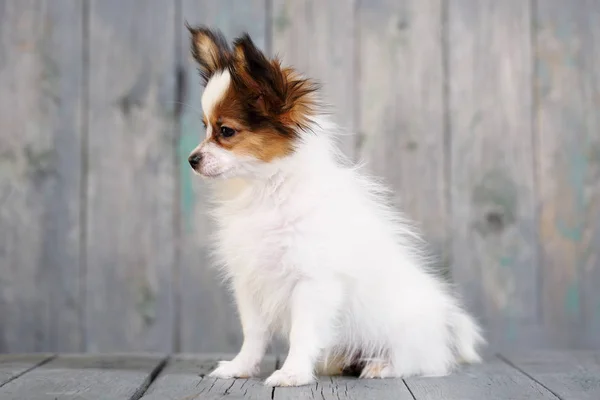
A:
x,y
83,177
277,365
39,364
535,105
446,136
510,363
408,388
150,379
180,88
357,136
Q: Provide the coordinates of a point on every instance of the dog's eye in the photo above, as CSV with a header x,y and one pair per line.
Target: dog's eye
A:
x,y
227,131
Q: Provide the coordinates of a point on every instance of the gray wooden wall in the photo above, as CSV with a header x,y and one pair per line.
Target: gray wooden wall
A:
x,y
482,114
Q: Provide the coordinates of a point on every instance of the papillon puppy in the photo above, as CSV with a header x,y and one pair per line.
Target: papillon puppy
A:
x,y
306,240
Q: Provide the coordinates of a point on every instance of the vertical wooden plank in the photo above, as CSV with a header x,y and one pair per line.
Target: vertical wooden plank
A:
x,y
492,188
118,377
402,108
317,37
131,186
40,172
208,320
568,133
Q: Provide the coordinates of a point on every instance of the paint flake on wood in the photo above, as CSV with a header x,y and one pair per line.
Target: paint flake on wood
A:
x,y
41,79
494,224
209,322
131,166
118,377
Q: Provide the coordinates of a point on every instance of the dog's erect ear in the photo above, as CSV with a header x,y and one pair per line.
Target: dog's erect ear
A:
x,y
210,49
260,75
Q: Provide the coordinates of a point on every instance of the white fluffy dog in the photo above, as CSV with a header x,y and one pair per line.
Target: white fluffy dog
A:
x,y
308,243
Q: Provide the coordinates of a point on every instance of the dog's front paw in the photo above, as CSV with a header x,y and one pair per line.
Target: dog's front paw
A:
x,y
234,369
289,378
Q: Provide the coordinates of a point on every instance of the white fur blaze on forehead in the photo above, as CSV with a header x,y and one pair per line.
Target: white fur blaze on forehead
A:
x,y
215,90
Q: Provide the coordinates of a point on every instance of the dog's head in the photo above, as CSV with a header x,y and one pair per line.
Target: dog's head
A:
x,y
253,108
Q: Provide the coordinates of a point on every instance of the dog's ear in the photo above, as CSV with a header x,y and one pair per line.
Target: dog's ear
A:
x,y
210,49
260,75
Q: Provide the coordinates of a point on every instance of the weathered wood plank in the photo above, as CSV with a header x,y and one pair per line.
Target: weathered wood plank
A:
x,y
13,366
570,375
208,320
492,380
402,108
186,377
318,39
41,79
114,377
495,257
337,388
131,188
568,134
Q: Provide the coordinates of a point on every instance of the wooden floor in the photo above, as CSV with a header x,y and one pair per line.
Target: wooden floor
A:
x,y
541,375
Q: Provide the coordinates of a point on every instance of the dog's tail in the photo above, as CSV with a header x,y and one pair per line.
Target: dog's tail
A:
x,y
467,337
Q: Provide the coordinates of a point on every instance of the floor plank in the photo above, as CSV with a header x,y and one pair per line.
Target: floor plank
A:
x,y
572,375
186,377
115,377
12,366
347,388
491,380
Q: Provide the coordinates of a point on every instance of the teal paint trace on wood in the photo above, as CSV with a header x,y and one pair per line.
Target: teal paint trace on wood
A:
x,y
506,261
578,166
572,302
187,142
282,20
512,330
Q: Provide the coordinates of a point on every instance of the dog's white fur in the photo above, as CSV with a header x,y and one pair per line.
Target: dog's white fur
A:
x,y
313,252
213,93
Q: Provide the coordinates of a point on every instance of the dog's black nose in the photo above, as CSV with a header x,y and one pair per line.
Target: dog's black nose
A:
x,y
195,159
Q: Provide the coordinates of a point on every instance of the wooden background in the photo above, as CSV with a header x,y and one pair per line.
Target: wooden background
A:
x,y
482,114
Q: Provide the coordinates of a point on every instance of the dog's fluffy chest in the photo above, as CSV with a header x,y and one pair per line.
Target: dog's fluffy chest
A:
x,y
258,237
258,246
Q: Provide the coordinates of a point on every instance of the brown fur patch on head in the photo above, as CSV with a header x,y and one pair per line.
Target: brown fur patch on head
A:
x,y
265,104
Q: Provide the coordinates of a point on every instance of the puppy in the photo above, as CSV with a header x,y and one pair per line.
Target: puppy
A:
x,y
307,241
